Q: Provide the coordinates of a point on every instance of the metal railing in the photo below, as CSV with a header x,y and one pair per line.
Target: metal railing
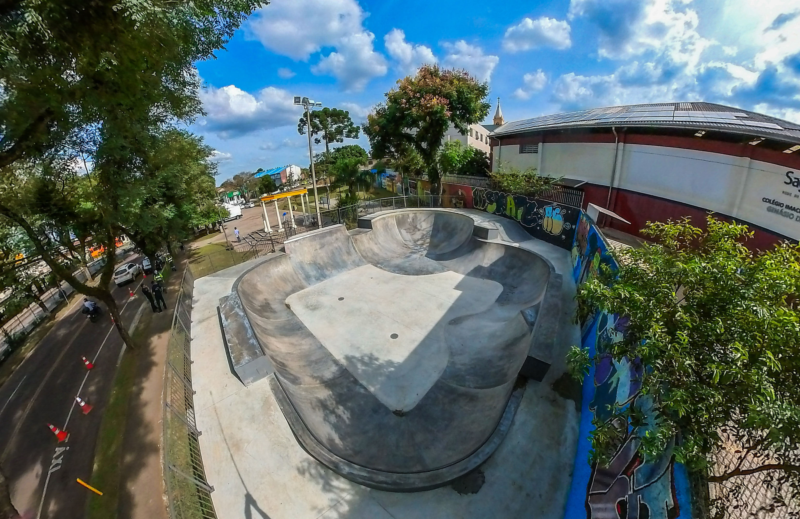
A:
x,y
188,491
571,196
349,215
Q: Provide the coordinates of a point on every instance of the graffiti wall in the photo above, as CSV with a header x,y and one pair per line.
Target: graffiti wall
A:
x,y
631,486
544,220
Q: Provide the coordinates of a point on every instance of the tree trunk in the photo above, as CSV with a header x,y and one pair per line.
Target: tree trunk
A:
x,y
82,259
113,310
43,306
7,510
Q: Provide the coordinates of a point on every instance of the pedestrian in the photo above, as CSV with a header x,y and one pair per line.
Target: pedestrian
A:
x,y
236,233
149,296
158,294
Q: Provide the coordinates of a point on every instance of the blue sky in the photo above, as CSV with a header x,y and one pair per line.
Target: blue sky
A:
x,y
538,57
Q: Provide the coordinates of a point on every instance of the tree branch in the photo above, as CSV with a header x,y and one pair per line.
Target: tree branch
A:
x,y
17,150
746,472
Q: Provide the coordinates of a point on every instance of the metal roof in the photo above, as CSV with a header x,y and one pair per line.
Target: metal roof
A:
x,y
696,116
272,171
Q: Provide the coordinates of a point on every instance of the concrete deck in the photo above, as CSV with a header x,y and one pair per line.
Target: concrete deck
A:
x,y
259,470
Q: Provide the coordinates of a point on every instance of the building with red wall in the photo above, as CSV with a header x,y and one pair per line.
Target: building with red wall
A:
x,y
669,160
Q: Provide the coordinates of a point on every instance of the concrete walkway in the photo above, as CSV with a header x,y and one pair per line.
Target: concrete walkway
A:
x,y
259,470
142,494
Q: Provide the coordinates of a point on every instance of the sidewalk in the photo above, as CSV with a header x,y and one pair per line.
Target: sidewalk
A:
x,y
142,482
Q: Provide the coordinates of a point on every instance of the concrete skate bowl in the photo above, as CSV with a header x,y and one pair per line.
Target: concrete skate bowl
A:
x,y
396,349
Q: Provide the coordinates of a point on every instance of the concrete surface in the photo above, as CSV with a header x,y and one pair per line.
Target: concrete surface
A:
x,y
388,343
259,470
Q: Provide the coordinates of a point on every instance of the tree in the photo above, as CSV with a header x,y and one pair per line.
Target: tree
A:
x,y
94,83
476,163
331,124
266,185
452,157
348,173
323,162
417,114
410,163
510,179
717,329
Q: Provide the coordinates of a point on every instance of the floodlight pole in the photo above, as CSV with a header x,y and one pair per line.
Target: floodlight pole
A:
x,y
308,104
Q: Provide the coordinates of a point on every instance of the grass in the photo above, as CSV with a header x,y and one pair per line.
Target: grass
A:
x,y
106,471
213,258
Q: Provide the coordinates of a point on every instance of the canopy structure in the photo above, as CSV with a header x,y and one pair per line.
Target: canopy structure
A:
x,y
302,192
270,172
287,194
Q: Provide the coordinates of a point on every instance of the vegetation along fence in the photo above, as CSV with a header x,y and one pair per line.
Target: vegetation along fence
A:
x,y
188,491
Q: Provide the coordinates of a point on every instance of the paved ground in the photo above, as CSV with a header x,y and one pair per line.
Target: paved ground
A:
x,y
259,470
42,391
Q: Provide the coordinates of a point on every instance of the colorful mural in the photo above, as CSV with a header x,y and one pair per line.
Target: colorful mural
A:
x,y
631,486
544,220
457,196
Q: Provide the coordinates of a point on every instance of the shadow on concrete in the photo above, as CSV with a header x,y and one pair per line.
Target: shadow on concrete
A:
x,y
250,503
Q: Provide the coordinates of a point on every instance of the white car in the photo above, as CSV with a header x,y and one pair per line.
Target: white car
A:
x,y
250,205
146,265
126,273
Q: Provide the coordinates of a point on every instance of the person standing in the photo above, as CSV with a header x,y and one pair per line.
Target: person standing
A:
x,y
149,295
158,295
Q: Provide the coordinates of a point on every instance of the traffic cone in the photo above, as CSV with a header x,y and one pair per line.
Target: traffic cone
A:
x,y
61,435
88,364
131,293
84,406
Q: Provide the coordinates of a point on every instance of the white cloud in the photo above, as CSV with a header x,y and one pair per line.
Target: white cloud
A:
x,y
542,32
354,62
232,111
532,83
408,57
357,112
630,28
300,28
471,58
285,73
219,156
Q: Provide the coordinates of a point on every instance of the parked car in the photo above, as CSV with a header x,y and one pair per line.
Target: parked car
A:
x,y
250,205
127,273
147,267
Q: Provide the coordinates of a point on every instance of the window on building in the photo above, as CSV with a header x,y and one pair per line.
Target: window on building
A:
x,y
529,148
470,132
480,137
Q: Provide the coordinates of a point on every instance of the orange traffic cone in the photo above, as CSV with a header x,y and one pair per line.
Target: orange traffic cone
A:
x,y
84,406
88,364
131,293
61,435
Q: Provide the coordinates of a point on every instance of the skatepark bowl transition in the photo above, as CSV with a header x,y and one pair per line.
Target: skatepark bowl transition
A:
x,y
398,351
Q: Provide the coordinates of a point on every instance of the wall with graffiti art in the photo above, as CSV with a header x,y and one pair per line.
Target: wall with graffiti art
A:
x,y
457,196
544,220
631,486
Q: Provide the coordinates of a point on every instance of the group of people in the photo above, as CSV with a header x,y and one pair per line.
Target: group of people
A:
x,y
155,294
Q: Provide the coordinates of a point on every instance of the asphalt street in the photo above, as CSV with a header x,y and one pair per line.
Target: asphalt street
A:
x,y
42,471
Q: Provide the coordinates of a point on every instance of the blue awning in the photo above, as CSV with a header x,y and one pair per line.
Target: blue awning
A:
x,y
270,172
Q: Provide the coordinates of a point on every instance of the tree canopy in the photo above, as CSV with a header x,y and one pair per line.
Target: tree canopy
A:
x,y
90,90
331,124
349,173
717,329
418,113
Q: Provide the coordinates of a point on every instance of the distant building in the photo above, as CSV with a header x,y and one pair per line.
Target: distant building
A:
x,y
282,175
478,134
668,160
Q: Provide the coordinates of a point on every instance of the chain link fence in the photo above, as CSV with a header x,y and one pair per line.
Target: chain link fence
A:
x,y
755,496
188,491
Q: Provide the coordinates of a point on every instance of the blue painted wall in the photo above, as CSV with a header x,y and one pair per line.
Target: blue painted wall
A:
x,y
631,486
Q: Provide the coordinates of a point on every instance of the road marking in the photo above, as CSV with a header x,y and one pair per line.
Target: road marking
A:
x,y
12,394
58,452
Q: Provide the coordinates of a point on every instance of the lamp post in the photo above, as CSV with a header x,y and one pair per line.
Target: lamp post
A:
x,y
308,104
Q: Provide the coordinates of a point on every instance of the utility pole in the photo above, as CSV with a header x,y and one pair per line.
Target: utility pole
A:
x,y
308,104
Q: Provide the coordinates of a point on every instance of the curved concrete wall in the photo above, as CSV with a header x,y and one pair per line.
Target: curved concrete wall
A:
x,y
485,349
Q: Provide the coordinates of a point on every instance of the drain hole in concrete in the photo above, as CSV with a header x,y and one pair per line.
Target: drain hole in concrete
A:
x,y
394,336
341,299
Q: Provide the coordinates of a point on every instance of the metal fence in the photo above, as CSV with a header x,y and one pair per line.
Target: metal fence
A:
x,y
188,491
571,196
466,180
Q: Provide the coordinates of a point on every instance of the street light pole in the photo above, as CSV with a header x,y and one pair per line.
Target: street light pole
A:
x,y
308,104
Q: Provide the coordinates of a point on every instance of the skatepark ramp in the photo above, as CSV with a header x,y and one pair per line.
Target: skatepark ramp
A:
x,y
394,350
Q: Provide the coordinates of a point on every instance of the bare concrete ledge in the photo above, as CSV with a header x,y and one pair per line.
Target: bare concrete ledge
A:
x,y
391,481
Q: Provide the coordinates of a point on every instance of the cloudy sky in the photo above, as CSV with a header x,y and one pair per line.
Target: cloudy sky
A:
x,y
538,57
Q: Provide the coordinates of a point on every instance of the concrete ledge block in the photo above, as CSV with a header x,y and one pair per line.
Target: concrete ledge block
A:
x,y
246,357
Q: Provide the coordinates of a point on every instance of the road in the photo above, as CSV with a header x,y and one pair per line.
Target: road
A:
x,y
43,472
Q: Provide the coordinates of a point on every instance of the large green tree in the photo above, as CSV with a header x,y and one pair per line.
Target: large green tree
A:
x,y
331,124
95,82
418,113
717,329
349,173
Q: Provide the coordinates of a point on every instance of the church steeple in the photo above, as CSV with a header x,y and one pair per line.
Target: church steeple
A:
x,y
498,115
